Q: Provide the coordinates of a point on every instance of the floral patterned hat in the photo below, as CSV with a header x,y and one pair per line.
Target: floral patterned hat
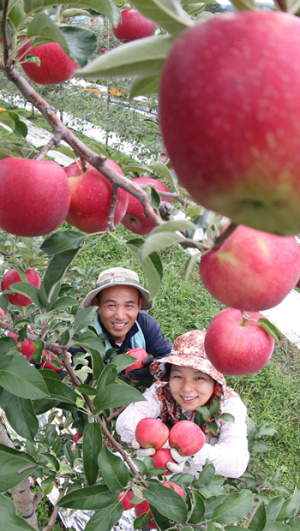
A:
x,y
188,351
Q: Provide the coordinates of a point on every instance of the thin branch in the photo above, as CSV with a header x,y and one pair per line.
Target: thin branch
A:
x,y
4,31
111,218
224,235
54,141
55,512
173,195
116,413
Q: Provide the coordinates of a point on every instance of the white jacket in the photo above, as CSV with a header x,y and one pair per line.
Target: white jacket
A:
x,y
229,453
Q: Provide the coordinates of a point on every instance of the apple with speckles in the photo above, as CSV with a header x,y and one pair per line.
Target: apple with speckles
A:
x,y
133,26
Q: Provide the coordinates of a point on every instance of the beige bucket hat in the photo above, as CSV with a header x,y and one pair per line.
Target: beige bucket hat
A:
x,y
118,276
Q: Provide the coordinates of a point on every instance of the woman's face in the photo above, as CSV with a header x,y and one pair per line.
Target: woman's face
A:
x,y
189,387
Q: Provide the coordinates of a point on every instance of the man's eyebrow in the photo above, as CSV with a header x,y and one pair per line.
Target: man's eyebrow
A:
x,y
114,300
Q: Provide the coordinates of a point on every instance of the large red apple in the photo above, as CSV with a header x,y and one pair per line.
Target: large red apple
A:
x,y
140,354
236,346
134,218
186,437
151,433
27,347
142,508
12,276
251,270
91,196
55,67
133,26
229,95
124,498
161,458
34,196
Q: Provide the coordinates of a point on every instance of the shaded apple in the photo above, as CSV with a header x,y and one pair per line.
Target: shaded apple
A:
x,y
133,26
77,436
27,347
3,313
251,270
142,508
236,346
151,433
227,118
186,437
134,218
161,458
140,354
124,498
11,277
55,67
34,196
177,488
91,195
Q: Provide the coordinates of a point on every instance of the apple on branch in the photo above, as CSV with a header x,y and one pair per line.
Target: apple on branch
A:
x,y
11,277
27,347
91,196
133,26
227,114
55,65
34,196
251,270
125,497
238,345
134,218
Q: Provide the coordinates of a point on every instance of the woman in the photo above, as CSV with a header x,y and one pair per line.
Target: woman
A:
x,y
185,381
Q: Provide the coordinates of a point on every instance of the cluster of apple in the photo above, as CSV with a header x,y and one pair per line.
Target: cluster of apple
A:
x,y
185,436
16,299
37,196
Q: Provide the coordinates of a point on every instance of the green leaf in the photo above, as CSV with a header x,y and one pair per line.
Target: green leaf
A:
x,y
273,507
172,226
115,395
294,524
168,14
16,14
190,265
183,479
97,363
135,168
162,522
162,169
270,329
68,13
12,465
105,519
91,446
155,242
107,377
89,340
57,389
276,526
115,472
6,344
52,460
63,302
26,289
141,521
198,511
205,477
227,417
85,318
151,265
82,43
59,242
154,198
144,86
122,361
106,7
290,507
13,121
21,379
86,389
89,498
142,57
259,519
38,351
56,269
204,412
20,414
3,302
168,502
8,517
235,507
43,29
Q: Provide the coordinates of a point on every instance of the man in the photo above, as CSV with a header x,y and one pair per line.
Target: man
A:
x,y
121,300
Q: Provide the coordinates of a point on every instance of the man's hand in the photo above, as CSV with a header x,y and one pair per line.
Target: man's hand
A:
x,y
144,373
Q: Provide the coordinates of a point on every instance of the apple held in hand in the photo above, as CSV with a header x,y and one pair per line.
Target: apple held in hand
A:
x,y
186,437
140,354
151,433
161,458
251,270
55,67
91,195
34,196
27,347
133,26
134,218
227,117
12,276
236,346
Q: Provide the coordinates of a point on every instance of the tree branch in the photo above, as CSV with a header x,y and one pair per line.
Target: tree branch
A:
x,y
55,511
224,235
111,218
54,141
4,31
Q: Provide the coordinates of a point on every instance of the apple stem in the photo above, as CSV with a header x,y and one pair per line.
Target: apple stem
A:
x,y
282,4
224,235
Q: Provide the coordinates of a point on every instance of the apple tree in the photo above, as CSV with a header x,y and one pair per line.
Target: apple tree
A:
x,y
227,130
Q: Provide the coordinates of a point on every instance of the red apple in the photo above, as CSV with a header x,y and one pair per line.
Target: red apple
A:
x,y
298,284
46,363
133,26
142,508
134,218
186,437
27,347
91,199
140,354
151,433
124,498
12,276
161,458
55,67
170,484
236,346
76,436
75,169
251,270
34,196
228,127
3,313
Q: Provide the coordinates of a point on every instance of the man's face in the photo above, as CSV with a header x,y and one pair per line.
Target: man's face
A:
x,y
118,309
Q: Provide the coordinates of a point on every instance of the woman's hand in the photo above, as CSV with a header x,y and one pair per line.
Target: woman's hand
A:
x,y
177,468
